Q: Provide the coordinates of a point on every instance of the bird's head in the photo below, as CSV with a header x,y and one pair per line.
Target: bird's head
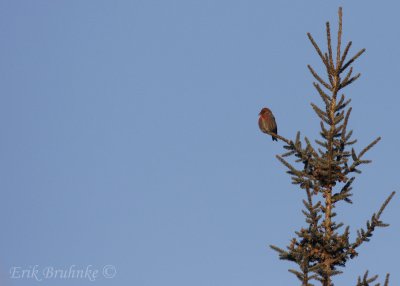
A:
x,y
265,111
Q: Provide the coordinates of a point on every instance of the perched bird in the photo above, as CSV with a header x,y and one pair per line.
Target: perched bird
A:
x,y
266,122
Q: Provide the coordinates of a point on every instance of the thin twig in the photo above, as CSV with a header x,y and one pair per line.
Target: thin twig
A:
x,y
339,39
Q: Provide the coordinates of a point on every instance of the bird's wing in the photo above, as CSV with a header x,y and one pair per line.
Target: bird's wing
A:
x,y
272,125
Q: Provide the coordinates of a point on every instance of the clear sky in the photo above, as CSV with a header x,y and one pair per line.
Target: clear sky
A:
x,y
129,136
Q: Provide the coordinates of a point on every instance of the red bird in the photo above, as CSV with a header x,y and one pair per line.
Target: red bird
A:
x,y
266,122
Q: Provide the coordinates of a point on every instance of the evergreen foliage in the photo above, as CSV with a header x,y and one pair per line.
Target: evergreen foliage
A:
x,y
326,174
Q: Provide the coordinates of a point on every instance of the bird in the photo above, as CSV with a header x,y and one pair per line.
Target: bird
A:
x,y
267,123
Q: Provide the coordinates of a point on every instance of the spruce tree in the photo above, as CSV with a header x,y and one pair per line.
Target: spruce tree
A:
x,y
326,171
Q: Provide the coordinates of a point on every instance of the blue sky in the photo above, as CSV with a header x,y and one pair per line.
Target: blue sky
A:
x,y
130,138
